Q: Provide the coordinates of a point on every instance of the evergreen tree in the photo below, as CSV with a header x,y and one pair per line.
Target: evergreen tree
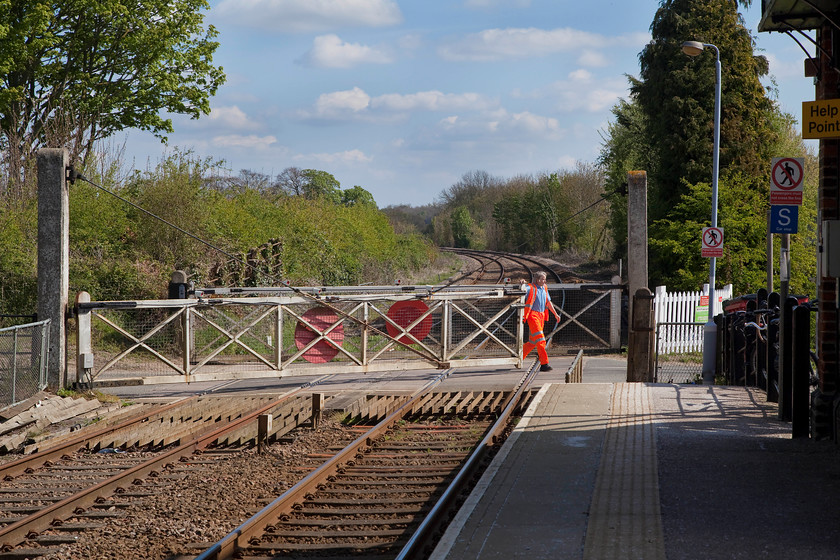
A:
x,y
676,93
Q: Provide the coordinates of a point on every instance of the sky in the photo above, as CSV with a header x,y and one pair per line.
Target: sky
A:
x,y
403,97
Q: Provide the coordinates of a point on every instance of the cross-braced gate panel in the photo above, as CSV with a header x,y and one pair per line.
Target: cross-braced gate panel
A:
x,y
207,338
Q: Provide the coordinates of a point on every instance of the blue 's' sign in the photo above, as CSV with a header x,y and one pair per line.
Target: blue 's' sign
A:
x,y
784,219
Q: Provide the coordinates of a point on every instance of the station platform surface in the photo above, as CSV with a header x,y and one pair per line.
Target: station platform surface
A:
x,y
646,471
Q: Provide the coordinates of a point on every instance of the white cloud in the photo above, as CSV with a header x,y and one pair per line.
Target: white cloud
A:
x,y
356,103
593,59
231,117
501,121
785,69
432,101
532,124
238,141
583,91
340,102
580,75
306,16
345,157
517,43
410,42
329,51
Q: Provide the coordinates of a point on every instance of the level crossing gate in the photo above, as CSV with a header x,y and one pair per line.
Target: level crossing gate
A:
x,y
223,333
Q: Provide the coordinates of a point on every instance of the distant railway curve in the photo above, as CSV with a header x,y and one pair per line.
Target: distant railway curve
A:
x,y
488,268
516,267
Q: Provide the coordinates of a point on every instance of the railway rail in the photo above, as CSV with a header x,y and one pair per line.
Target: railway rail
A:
x,y
494,267
93,484
385,494
70,480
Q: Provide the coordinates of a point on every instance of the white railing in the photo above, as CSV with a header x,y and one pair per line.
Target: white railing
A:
x,y
212,337
677,313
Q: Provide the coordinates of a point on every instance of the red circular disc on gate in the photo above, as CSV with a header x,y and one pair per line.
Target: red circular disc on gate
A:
x,y
404,313
322,352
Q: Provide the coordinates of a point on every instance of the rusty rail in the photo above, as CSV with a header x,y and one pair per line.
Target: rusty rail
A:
x,y
239,538
17,532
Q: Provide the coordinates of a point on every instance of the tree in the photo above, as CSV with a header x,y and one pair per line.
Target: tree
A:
x,y
676,93
357,196
76,71
462,225
626,148
667,129
310,183
292,181
533,215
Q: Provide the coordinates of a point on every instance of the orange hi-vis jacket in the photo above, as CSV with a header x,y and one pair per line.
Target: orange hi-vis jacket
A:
x,y
532,295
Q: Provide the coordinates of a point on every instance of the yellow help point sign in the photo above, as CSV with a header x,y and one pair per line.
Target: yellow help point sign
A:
x,y
821,119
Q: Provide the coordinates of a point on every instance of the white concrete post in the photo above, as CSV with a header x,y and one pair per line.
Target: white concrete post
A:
x,y
54,256
84,345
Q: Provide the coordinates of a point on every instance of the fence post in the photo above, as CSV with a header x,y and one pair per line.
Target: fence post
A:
x,y
186,328
615,314
84,346
14,365
637,233
640,346
773,350
365,332
45,355
54,255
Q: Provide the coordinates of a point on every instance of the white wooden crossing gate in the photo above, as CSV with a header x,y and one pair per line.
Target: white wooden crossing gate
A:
x,y
260,332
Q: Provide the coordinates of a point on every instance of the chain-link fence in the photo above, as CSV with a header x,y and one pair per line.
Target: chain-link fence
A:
x,y
23,361
679,352
590,316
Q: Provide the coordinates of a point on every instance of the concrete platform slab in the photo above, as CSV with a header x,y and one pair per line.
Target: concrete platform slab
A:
x,y
637,471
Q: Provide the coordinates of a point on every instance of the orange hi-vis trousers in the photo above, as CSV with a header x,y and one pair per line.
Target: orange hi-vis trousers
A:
x,y
536,338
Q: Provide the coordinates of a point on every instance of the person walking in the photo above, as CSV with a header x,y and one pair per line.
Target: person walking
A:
x,y
537,305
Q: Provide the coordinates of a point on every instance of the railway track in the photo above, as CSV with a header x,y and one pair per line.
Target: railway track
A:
x,y
71,500
48,497
387,492
495,267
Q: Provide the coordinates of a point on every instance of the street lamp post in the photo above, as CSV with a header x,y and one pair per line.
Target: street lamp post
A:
x,y
694,48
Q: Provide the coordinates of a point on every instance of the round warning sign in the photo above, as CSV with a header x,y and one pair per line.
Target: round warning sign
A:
x,y
322,352
786,181
404,313
712,242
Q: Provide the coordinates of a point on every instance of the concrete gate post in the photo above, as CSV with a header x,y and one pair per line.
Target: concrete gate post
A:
x,y
637,233
640,347
639,355
54,256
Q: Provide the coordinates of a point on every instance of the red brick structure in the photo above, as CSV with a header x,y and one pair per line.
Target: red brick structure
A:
x,y
828,87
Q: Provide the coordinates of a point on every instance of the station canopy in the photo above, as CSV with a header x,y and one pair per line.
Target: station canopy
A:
x,y
789,15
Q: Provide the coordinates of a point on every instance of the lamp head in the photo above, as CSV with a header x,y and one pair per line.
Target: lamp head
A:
x,y
692,48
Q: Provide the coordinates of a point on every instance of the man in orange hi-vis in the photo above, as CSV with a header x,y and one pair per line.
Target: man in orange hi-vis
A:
x,y
537,306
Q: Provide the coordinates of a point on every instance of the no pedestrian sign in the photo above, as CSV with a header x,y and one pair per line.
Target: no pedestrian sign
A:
x,y
712,242
786,181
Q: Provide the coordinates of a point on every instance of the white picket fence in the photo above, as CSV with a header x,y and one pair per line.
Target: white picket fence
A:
x,y
681,333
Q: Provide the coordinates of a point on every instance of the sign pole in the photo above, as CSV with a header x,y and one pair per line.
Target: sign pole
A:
x,y
784,266
769,256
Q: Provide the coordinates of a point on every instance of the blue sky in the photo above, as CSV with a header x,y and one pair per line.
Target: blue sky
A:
x,y
404,97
